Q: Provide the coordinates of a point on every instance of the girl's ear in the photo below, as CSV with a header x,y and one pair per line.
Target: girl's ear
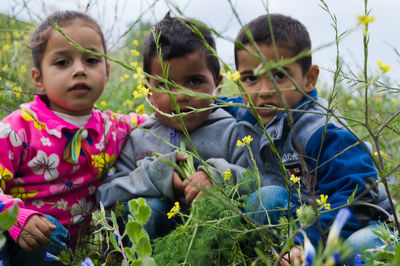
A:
x,y
311,78
107,71
37,79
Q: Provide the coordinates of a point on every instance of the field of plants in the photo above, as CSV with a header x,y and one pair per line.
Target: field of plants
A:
x,y
215,231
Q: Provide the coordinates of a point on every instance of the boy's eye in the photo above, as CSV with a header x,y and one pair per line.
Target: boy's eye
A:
x,y
194,82
279,76
249,79
61,62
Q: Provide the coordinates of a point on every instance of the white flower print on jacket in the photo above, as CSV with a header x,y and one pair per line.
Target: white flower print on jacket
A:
x,y
47,165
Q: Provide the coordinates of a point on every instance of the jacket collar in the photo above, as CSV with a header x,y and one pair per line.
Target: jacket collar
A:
x,y
39,112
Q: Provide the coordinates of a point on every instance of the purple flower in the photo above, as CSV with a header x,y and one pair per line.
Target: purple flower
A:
x,y
357,260
337,226
50,257
309,251
87,262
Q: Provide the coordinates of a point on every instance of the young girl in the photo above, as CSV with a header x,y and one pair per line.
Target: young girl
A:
x,y
56,150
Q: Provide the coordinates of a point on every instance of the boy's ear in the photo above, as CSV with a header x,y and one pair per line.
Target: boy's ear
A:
x,y
37,79
217,85
311,78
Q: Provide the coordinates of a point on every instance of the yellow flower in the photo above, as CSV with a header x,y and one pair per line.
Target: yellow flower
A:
x,y
142,92
4,68
134,120
103,103
350,102
22,69
174,210
140,110
294,179
383,68
17,44
239,143
362,19
103,161
395,101
247,139
6,47
135,42
378,98
232,76
124,77
134,64
5,175
134,52
128,103
0,78
227,174
322,202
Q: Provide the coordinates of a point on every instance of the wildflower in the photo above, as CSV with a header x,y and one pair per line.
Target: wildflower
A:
x,y
357,260
294,179
363,19
309,252
135,42
135,52
140,110
340,220
239,143
4,68
232,76
22,69
142,92
103,103
378,98
134,64
50,257
87,262
174,210
227,174
350,102
6,47
394,100
103,161
134,120
247,139
124,77
322,202
383,68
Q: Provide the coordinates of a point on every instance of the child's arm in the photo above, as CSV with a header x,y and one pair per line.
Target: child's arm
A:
x,y
36,233
340,171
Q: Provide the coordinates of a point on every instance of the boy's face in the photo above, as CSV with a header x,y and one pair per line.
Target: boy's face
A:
x,y
72,80
192,73
261,90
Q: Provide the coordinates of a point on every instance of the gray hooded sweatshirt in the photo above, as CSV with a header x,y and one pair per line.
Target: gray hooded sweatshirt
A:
x,y
140,174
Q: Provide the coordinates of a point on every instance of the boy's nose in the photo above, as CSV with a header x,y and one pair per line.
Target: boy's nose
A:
x,y
266,88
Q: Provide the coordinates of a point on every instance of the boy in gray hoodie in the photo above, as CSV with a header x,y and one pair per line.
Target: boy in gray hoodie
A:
x,y
212,131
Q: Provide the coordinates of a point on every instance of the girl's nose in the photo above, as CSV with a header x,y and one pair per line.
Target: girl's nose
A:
x,y
79,69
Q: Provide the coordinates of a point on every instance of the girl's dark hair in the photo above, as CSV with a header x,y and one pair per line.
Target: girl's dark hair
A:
x,y
177,39
287,32
42,32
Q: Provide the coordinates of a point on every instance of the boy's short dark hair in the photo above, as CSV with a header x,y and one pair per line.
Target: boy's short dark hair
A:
x,y
177,39
287,32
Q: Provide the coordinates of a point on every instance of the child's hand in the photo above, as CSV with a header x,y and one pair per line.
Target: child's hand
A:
x,y
295,256
191,185
177,184
36,233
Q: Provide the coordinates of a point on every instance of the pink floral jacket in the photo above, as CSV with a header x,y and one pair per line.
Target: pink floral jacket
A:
x,y
49,166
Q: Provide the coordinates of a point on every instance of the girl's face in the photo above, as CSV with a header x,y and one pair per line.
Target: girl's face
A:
x,y
72,80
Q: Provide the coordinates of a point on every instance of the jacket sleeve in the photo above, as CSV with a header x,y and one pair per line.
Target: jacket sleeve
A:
x,y
341,169
11,153
152,178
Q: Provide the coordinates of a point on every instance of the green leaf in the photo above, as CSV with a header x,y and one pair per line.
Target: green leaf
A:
x,y
143,214
8,218
114,241
134,230
2,241
136,263
397,255
148,261
143,247
129,254
351,198
133,205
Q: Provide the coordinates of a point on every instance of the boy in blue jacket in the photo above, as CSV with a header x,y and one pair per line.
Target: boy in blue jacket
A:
x,y
318,151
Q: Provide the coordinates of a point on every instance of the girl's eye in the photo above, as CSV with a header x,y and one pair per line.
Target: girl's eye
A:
x,y
194,82
92,60
61,62
279,76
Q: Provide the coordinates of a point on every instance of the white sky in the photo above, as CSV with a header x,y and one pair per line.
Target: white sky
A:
x,y
115,15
